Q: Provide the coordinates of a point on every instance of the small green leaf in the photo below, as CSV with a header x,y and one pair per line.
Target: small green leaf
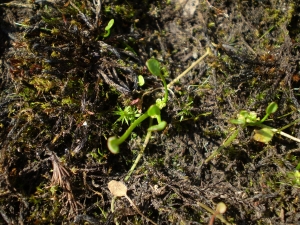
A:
x,y
252,117
243,113
153,111
154,67
264,135
158,127
141,80
238,121
113,145
108,27
272,108
110,24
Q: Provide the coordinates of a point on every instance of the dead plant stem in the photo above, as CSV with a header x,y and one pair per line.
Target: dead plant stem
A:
x,y
208,52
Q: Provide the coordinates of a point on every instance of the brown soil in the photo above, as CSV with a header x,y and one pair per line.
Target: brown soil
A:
x,y
62,80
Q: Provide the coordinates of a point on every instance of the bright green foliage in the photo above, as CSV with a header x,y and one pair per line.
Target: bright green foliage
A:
x,y
272,108
160,103
246,118
186,111
128,115
153,112
154,67
250,118
108,27
141,80
295,178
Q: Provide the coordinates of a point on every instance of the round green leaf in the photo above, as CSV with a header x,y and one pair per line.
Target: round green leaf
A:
x,y
272,108
238,121
141,80
158,127
153,111
154,67
264,135
113,145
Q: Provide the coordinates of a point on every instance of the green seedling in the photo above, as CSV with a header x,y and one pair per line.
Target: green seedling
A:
x,y
153,112
220,209
154,68
245,118
128,115
118,189
108,27
264,135
292,178
186,111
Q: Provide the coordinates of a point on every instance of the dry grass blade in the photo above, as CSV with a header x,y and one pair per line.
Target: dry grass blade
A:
x,y
61,178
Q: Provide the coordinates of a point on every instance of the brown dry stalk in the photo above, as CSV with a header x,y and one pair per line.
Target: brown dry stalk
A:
x,y
61,178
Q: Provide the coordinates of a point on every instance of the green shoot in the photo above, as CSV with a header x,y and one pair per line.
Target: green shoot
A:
x,y
294,176
220,209
141,80
186,111
246,118
114,142
108,27
154,67
128,115
264,135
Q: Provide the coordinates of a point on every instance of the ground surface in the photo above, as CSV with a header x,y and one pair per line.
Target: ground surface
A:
x,y
63,77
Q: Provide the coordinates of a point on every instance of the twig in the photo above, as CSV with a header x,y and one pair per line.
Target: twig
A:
x,y
83,16
208,52
219,11
97,11
279,132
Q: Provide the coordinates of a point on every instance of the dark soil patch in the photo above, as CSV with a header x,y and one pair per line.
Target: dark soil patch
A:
x,y
62,80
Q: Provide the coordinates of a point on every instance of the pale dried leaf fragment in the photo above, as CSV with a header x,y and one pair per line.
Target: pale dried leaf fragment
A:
x,y
118,189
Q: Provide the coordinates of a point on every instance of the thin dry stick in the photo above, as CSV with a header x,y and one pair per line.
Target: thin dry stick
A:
x,y
18,4
280,132
208,52
97,11
61,177
219,11
83,16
